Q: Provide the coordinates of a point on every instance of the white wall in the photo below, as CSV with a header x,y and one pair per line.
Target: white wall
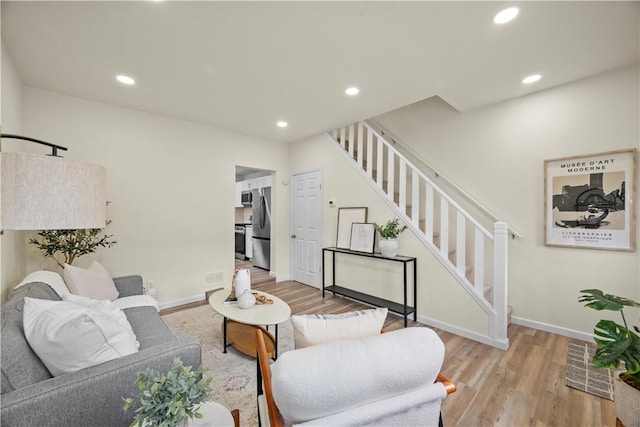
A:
x,y
171,186
436,288
497,155
12,263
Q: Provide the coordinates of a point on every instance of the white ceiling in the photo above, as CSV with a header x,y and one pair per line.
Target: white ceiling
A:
x,y
243,66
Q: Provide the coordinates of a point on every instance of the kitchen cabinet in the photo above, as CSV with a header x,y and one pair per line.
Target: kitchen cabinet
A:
x,y
248,246
238,192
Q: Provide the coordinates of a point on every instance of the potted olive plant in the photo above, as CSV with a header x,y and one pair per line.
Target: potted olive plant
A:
x,y
71,244
168,400
616,344
389,236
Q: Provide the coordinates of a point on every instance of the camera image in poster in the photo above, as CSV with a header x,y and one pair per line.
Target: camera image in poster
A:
x,y
589,201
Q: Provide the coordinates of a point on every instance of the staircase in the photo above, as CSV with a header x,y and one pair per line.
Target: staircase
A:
x,y
475,256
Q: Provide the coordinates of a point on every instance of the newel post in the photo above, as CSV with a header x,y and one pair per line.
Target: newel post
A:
x,y
498,328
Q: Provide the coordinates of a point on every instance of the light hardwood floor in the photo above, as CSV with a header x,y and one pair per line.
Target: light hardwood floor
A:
x,y
523,386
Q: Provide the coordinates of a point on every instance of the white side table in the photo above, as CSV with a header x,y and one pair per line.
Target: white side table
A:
x,y
214,415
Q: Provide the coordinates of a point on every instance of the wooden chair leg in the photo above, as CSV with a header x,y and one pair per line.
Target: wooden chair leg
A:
x,y
236,417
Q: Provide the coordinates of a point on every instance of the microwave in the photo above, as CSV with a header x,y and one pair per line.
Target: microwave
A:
x,y
246,199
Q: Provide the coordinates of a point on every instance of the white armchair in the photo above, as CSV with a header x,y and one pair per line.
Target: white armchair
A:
x,y
387,379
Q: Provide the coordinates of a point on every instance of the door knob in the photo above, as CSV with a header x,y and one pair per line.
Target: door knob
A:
x,y
293,236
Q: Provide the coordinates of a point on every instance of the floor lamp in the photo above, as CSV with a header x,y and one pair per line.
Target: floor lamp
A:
x,y
49,192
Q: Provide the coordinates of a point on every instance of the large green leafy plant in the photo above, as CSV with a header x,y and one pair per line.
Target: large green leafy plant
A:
x,y
165,400
391,230
71,243
615,343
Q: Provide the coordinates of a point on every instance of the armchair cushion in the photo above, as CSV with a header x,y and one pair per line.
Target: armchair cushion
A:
x,y
312,329
334,377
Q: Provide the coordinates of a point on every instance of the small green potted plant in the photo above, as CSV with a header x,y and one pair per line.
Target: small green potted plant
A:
x,y
166,400
389,236
616,344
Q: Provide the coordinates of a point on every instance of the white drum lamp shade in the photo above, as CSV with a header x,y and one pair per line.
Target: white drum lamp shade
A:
x,y
51,193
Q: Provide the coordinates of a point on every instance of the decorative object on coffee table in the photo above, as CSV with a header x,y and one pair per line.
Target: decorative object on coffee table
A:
x,y
241,281
615,344
168,399
389,237
246,300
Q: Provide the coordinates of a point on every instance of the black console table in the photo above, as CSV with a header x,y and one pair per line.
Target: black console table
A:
x,y
403,309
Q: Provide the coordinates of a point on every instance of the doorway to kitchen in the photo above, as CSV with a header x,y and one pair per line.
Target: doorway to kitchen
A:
x,y
253,212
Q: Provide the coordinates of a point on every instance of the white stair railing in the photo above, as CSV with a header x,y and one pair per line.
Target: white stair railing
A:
x,y
475,256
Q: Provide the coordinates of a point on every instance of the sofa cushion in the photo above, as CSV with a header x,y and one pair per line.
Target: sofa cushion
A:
x,y
51,278
328,378
19,364
105,306
312,329
68,337
148,326
93,282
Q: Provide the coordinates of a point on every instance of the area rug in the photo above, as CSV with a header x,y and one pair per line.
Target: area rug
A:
x,y
581,374
233,373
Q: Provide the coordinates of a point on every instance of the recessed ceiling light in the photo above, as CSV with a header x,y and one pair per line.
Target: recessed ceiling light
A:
x,y
125,79
506,15
531,79
351,91
282,124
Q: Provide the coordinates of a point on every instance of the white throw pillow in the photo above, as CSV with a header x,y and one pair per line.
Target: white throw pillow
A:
x,y
68,337
105,306
94,282
312,329
51,278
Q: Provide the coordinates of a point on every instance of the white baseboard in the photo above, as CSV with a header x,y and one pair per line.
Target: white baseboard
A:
x,y
552,328
183,301
475,336
282,278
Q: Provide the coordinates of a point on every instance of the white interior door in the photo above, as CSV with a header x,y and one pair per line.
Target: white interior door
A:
x,y
306,229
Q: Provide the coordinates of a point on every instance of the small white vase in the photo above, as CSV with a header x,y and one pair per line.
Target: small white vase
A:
x,y
243,281
388,247
247,299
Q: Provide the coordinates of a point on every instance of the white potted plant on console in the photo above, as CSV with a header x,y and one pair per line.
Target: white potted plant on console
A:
x,y
389,233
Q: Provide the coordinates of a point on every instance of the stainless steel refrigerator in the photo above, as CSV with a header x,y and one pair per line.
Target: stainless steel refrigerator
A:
x,y
262,228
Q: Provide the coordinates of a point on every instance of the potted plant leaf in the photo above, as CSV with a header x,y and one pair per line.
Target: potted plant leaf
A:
x,y
389,236
166,400
71,243
617,344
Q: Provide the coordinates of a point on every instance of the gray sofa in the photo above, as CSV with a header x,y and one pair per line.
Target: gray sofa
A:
x,y
92,396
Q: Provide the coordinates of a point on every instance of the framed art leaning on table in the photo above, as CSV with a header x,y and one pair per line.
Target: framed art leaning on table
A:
x,y
346,217
362,237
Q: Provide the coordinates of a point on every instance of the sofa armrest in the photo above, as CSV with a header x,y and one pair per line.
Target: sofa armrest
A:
x,y
129,285
93,396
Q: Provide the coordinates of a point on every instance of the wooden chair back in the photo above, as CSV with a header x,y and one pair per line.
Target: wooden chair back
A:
x,y
264,371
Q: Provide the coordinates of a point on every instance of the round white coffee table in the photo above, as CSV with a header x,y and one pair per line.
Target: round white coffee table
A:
x,y
239,324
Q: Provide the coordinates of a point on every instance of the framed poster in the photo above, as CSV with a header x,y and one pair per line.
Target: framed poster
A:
x,y
346,217
589,201
362,237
